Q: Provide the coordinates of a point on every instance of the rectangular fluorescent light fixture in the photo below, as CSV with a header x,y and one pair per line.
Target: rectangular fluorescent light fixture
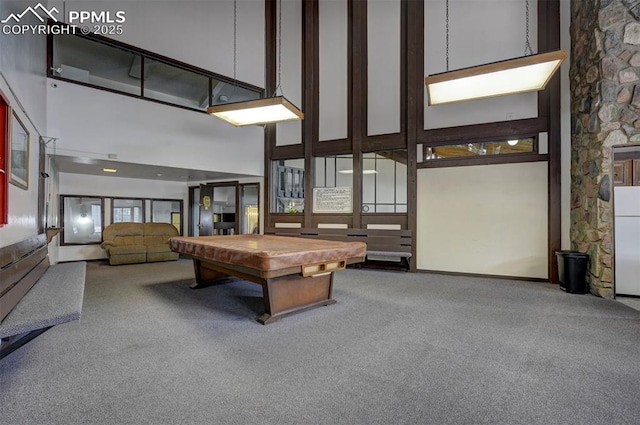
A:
x,y
363,172
256,112
109,170
520,75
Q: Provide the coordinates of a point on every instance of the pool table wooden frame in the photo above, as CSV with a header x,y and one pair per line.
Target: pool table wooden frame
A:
x,y
296,274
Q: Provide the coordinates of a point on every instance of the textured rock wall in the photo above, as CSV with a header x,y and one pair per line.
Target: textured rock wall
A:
x,y
605,111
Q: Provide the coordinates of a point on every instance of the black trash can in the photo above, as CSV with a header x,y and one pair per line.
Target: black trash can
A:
x,y
572,271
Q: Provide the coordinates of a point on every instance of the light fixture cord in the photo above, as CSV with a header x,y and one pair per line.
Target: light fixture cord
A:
x,y
447,33
278,85
235,43
527,46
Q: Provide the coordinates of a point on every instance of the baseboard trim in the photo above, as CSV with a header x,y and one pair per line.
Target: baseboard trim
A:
x,y
488,276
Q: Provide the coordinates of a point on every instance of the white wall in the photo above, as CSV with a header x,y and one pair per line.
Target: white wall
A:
x,y
91,123
290,71
78,184
483,219
333,69
22,65
23,204
383,70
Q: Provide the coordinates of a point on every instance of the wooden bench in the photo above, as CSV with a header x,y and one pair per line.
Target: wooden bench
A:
x,y
392,247
35,296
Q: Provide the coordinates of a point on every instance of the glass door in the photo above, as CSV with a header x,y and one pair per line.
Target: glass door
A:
x,y
249,208
224,210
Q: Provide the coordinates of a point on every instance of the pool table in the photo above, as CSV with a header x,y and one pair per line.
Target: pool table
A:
x,y
296,274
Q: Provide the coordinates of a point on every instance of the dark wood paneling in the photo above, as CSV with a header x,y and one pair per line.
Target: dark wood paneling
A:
x,y
42,157
332,147
617,155
21,265
381,218
484,160
415,108
483,132
13,296
384,142
358,111
332,219
399,241
623,172
486,276
286,218
270,81
13,272
549,106
404,64
287,152
190,229
11,253
310,94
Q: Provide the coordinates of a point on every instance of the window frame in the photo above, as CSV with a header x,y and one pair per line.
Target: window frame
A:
x,y
63,241
181,201
144,54
395,203
487,159
113,208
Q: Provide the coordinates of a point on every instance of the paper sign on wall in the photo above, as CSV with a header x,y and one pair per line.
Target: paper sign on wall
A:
x,y
332,200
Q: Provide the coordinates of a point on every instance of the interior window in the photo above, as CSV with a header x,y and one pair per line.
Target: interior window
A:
x,y
476,149
127,211
287,191
83,220
384,182
167,211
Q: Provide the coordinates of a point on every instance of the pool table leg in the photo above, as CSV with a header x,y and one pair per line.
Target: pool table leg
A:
x,y
290,294
207,276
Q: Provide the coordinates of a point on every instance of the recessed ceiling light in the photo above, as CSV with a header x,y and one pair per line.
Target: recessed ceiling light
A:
x,y
159,174
109,170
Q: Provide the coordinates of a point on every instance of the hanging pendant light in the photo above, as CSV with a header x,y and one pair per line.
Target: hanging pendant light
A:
x,y
254,112
528,73
261,111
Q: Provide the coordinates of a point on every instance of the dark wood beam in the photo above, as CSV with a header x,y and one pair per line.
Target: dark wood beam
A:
x,y
270,11
549,107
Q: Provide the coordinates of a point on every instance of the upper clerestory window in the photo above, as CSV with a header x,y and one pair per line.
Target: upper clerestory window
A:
x,y
109,65
479,149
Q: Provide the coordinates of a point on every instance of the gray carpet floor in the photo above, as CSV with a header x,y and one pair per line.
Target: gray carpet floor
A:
x,y
397,348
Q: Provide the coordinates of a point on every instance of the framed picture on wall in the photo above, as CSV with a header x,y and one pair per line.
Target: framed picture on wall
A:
x,y
19,154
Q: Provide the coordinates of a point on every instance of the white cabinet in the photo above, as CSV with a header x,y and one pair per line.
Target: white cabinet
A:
x,y
627,240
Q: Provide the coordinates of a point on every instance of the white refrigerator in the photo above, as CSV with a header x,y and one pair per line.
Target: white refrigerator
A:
x,y
627,240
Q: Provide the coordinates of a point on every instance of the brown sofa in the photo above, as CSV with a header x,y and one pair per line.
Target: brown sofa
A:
x,y
128,243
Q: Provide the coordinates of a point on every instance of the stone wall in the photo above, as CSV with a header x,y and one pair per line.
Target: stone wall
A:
x,y
605,111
